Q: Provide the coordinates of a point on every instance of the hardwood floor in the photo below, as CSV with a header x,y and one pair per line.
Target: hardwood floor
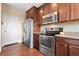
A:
x,y
19,50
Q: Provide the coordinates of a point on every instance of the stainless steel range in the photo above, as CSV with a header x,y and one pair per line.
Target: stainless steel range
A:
x,y
47,41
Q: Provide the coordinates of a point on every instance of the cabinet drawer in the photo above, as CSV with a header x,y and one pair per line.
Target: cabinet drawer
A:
x,y
61,39
68,40
73,41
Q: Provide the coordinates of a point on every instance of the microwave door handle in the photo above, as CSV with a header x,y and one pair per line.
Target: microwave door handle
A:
x,y
54,18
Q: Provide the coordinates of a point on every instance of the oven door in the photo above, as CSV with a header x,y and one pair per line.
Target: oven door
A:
x,y
47,42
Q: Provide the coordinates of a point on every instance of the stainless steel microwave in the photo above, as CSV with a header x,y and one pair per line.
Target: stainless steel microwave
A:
x,y
50,18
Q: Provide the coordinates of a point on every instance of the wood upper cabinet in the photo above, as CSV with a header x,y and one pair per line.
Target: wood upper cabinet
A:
x,y
73,50
61,49
41,13
32,12
74,11
53,7
64,12
28,14
46,9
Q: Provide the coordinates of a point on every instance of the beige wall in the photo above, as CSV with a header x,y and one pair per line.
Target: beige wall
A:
x,y
0,26
10,10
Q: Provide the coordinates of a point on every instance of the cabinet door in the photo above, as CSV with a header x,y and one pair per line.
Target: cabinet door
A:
x,y
28,14
61,49
41,13
73,50
53,7
64,12
46,9
36,41
32,13
74,11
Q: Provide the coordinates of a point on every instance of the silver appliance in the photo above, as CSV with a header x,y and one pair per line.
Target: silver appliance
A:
x,y
47,44
47,41
50,18
28,32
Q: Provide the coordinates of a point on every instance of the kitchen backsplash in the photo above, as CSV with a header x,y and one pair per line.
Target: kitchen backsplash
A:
x,y
67,26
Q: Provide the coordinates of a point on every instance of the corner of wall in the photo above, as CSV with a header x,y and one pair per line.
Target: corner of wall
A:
x,y
0,27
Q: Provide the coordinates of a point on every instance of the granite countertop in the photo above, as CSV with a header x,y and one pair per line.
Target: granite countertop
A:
x,y
74,35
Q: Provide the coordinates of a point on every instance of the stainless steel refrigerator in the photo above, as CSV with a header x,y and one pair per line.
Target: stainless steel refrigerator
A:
x,y
28,32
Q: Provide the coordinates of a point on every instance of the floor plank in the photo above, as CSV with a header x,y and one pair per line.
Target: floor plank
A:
x,y
19,50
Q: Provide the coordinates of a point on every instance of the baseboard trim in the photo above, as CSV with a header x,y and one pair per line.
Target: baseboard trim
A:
x,y
10,44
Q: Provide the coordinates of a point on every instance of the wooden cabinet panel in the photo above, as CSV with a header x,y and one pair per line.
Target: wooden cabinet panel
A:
x,y
73,50
74,11
46,9
61,49
53,7
36,41
41,11
28,14
64,12
34,13
67,46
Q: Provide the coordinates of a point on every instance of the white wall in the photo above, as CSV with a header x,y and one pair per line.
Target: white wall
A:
x,y
0,26
10,10
72,26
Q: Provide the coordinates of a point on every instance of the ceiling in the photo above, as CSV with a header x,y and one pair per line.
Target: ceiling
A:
x,y
24,6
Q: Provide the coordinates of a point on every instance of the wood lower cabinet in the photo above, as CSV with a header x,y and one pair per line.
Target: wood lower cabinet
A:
x,y
36,41
67,46
73,50
61,49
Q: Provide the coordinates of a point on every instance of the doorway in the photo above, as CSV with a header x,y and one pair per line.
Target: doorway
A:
x,y
10,29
